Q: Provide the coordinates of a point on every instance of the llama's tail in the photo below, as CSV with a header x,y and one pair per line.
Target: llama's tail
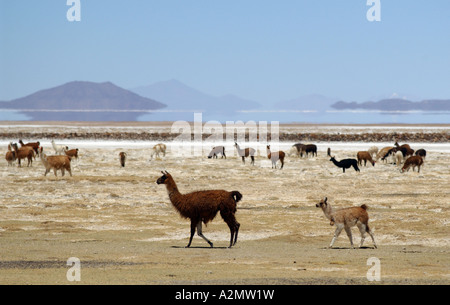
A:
x,y
236,196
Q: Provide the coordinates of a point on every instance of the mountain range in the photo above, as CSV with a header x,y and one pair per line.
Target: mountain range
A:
x,y
172,100
83,101
396,105
179,96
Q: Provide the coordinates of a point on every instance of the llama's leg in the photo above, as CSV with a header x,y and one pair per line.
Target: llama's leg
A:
x,y
336,234
243,159
253,160
238,225
371,235
282,163
200,233
348,230
234,230
229,218
362,229
193,226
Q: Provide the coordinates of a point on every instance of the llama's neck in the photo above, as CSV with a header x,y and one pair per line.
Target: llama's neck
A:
x,y
172,190
43,158
328,211
336,162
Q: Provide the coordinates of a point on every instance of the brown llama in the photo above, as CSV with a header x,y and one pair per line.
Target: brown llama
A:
x,y
123,158
25,152
347,218
34,145
72,153
202,206
10,156
364,156
55,163
414,161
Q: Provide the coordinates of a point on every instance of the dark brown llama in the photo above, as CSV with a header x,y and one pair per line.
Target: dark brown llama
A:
x,y
34,145
202,206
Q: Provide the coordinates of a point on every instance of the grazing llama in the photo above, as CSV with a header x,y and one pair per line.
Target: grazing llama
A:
x,y
364,156
414,161
297,148
157,149
347,218
216,151
202,206
382,152
308,148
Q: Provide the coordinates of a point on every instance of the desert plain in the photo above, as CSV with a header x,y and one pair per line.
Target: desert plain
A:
x,y
123,229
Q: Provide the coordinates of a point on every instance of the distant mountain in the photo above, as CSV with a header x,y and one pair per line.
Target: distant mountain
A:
x,y
83,101
179,96
396,105
312,102
396,95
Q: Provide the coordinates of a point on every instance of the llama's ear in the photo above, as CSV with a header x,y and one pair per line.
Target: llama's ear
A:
x,y
167,173
325,200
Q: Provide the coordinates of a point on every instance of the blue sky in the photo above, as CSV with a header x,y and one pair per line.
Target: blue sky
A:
x,y
267,51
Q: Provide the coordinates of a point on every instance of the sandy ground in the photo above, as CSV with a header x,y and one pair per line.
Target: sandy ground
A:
x,y
123,228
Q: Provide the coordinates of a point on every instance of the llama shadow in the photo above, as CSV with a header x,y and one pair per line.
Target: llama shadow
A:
x,y
198,247
349,248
